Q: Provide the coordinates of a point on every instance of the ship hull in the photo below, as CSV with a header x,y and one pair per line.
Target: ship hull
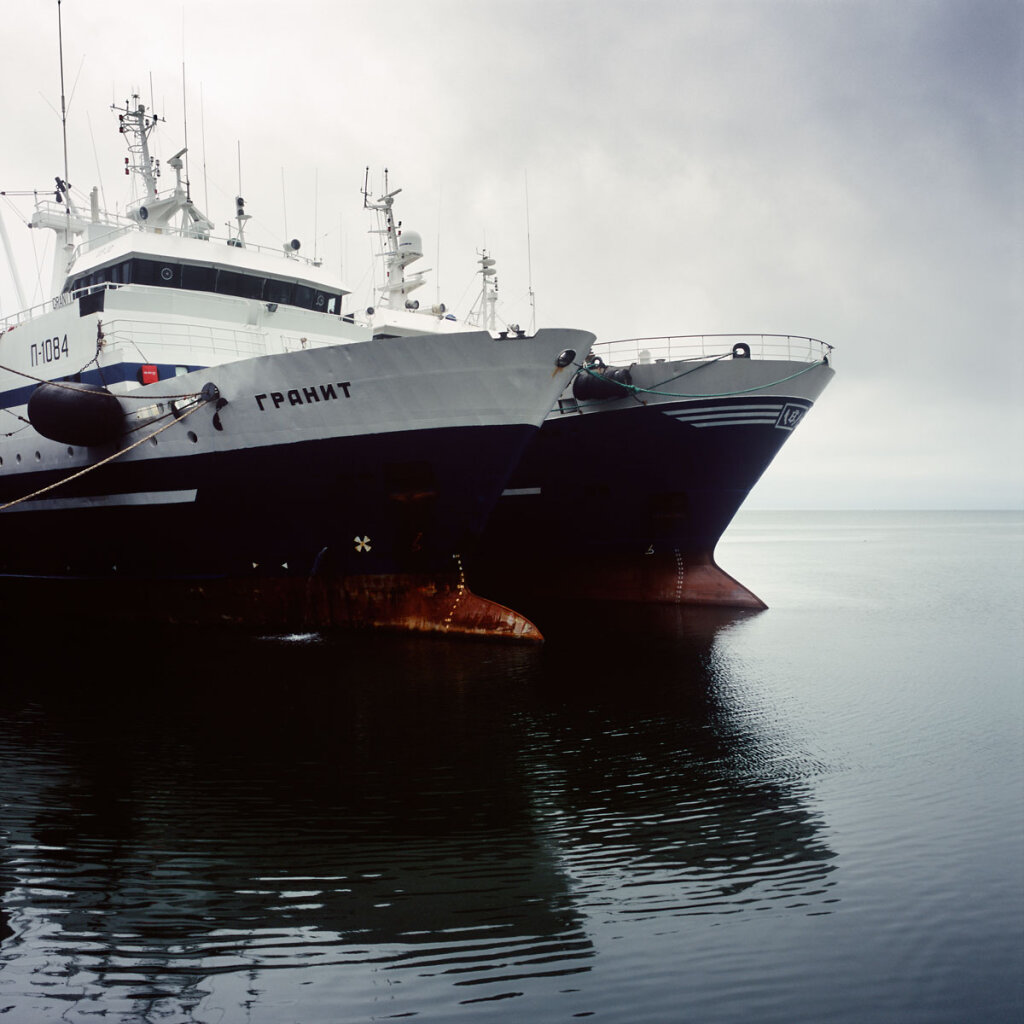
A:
x,y
335,486
660,476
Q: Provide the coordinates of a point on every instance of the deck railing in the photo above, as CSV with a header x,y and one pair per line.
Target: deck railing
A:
x,y
146,336
700,347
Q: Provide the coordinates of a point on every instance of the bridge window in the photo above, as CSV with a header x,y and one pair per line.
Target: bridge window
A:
x,y
204,278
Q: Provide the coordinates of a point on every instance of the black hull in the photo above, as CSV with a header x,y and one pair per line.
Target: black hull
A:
x,y
658,489
418,498
363,531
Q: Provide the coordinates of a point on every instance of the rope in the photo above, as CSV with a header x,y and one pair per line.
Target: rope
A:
x,y
68,386
699,366
11,433
633,389
109,458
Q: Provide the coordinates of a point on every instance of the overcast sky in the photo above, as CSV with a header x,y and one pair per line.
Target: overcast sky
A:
x,y
849,170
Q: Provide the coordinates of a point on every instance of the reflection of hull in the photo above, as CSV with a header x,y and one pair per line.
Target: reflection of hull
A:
x,y
360,810
360,471
660,474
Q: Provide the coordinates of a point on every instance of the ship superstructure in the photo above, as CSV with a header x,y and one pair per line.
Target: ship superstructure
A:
x,y
200,416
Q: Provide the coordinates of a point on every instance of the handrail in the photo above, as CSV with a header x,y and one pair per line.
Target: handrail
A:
x,y
698,347
119,224
22,316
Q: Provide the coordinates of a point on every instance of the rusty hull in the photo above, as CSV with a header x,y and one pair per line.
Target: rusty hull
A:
x,y
666,577
434,604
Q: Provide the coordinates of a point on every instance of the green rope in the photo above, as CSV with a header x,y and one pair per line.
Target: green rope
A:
x,y
634,389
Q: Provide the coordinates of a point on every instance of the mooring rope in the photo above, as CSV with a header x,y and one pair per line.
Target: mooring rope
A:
x,y
72,386
109,458
635,389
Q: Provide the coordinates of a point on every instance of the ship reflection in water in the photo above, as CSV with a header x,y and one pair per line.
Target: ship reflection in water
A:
x,y
206,826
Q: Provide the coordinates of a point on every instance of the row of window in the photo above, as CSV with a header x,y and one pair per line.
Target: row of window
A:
x,y
211,279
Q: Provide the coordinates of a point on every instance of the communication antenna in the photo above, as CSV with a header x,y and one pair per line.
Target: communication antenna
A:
x,y
202,132
184,118
284,203
529,257
96,158
63,105
240,215
437,278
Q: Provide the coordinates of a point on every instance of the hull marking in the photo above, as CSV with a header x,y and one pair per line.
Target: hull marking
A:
x,y
108,501
305,396
774,414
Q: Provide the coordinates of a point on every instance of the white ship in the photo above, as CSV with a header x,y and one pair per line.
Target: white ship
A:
x,y
194,427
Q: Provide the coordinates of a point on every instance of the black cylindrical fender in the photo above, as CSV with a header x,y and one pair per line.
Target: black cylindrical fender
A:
x,y
81,414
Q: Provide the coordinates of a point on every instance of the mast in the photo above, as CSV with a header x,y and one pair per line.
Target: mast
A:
x,y
154,212
136,126
399,249
63,105
484,311
71,226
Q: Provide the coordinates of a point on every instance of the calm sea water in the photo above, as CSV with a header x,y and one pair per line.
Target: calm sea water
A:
x,y
812,813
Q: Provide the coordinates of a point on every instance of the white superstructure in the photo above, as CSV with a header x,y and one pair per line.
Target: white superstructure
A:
x,y
180,379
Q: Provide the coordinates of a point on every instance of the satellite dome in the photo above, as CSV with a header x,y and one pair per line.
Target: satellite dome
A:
x,y
410,246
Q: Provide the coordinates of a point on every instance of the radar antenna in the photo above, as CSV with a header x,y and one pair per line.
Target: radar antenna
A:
x,y
398,249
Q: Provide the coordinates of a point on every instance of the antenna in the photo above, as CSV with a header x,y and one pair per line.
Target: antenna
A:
x,y
63,106
284,203
202,132
184,118
529,257
240,215
96,157
437,277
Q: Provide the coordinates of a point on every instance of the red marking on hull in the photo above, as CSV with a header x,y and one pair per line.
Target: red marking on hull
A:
x,y
658,578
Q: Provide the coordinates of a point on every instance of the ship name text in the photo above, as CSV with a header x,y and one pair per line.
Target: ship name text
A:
x,y
304,396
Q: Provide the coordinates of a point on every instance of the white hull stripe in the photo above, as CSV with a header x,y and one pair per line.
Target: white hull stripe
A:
x,y
740,415
107,501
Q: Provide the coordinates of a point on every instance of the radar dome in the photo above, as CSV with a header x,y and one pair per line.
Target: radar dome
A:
x,y
410,246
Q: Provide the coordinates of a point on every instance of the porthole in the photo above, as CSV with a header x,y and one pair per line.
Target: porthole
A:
x,y
17,458
71,452
192,436
39,457
166,273
153,441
